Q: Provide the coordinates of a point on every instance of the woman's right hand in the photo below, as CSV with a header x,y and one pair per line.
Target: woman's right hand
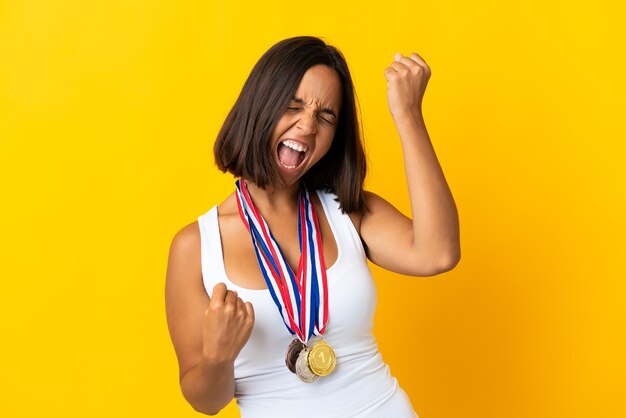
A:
x,y
228,323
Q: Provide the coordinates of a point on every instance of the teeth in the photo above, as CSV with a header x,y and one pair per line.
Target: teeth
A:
x,y
294,145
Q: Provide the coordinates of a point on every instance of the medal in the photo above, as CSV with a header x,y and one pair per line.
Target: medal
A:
x,y
322,358
302,297
303,371
293,351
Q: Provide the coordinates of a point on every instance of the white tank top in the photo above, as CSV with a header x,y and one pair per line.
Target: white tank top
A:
x,y
361,384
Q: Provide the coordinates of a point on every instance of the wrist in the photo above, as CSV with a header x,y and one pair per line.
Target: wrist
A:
x,y
408,115
214,363
215,360
409,118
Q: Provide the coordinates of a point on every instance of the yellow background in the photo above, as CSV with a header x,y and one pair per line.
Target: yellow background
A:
x,y
108,112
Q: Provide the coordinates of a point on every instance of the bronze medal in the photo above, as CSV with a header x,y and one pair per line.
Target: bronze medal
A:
x,y
303,371
321,358
293,351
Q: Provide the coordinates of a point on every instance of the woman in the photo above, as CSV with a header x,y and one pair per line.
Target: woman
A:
x,y
269,297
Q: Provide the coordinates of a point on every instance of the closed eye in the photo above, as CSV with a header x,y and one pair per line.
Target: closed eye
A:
x,y
329,119
326,120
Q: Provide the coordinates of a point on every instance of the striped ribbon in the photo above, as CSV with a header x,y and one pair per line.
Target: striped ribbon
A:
x,y
302,298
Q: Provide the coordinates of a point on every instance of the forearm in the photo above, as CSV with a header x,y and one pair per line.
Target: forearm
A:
x,y
209,387
433,211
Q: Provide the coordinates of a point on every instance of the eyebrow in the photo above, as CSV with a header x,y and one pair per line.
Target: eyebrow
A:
x,y
324,109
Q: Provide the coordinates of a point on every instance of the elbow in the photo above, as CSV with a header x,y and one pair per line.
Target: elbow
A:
x,y
444,265
206,409
210,412
203,397
450,261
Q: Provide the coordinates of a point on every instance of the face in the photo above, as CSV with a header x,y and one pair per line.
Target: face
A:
x,y
305,132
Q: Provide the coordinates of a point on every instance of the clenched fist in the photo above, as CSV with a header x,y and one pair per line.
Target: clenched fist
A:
x,y
228,323
407,78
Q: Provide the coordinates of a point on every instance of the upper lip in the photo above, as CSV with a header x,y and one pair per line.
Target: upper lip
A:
x,y
298,141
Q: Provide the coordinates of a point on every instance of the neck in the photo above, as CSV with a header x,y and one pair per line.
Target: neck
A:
x,y
274,198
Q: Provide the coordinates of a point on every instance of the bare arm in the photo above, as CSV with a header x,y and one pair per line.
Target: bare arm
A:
x,y
207,333
428,242
209,387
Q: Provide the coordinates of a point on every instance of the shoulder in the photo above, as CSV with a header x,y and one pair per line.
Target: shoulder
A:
x,y
187,236
186,242
185,246
187,239
373,204
373,201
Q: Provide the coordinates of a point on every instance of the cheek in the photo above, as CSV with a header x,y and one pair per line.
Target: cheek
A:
x,y
328,145
283,124
328,140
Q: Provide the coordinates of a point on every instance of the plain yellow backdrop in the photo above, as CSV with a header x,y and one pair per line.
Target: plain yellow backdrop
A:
x,y
108,113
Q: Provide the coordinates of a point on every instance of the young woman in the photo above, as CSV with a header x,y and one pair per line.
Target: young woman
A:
x,y
269,297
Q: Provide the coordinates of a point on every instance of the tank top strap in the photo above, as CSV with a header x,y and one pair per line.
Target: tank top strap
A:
x,y
211,250
346,235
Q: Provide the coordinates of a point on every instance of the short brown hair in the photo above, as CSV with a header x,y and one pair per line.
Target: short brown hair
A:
x,y
242,144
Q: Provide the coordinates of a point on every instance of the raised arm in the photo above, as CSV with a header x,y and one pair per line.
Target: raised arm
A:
x,y
428,243
207,333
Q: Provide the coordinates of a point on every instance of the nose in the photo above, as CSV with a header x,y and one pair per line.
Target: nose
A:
x,y
307,124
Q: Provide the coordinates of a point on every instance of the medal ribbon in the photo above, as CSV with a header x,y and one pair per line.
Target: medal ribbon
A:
x,y
302,298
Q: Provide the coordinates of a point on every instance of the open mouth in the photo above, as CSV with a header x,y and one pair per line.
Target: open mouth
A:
x,y
291,153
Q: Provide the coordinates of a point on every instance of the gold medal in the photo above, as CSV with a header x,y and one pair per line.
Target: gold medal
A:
x,y
321,358
303,371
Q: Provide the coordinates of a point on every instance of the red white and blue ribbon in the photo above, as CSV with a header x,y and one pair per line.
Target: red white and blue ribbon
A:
x,y
301,298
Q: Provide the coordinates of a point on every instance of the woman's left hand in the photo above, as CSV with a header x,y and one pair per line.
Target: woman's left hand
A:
x,y
407,78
